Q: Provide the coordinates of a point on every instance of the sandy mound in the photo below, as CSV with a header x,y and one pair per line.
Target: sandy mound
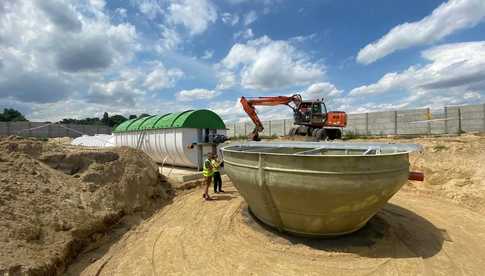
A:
x,y
54,199
454,168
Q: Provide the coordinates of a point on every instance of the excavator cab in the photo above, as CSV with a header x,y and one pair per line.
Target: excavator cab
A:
x,y
310,113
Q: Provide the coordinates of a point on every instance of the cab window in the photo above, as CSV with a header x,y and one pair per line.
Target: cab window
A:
x,y
316,108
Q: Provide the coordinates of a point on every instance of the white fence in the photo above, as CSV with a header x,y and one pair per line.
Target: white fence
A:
x,y
449,120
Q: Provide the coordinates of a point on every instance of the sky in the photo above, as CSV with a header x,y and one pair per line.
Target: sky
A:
x,y
80,58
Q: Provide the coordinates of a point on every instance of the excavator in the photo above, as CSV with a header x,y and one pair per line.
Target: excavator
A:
x,y
310,117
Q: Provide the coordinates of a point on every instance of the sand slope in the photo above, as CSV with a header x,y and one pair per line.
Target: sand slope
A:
x,y
54,200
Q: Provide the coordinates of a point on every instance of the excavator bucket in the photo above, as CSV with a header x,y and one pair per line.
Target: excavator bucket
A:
x,y
254,136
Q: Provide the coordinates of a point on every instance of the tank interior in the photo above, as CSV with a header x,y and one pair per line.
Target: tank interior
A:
x,y
348,149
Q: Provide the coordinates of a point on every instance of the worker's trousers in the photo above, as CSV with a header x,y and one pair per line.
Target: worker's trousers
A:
x,y
217,182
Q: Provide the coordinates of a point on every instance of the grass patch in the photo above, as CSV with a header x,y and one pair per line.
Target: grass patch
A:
x,y
350,135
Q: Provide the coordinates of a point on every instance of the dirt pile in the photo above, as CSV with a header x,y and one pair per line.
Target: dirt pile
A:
x,y
56,199
454,168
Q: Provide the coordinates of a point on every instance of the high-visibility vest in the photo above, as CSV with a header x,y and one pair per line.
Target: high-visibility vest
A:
x,y
207,171
215,166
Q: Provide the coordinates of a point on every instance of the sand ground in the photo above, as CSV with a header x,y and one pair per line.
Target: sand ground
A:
x,y
431,228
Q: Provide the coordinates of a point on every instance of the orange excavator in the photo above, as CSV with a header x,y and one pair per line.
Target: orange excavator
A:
x,y
310,117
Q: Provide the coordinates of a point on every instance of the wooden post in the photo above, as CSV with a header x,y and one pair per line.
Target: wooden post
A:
x,y
8,128
269,122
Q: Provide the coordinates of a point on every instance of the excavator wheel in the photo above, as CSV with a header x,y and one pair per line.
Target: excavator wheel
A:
x,y
334,134
314,132
302,130
321,134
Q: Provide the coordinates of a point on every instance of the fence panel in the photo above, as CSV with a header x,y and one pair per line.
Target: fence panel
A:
x,y
48,130
472,117
422,121
357,123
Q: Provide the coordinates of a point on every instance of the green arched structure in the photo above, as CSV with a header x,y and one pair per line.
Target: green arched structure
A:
x,y
202,118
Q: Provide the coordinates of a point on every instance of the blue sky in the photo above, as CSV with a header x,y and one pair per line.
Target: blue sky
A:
x,y
79,58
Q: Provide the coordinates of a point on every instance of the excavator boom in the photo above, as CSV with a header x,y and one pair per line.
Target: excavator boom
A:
x,y
250,103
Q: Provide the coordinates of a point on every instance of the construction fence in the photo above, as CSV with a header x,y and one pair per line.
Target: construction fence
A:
x,y
50,130
424,121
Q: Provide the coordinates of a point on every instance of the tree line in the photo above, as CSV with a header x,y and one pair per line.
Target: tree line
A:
x,y
105,120
12,115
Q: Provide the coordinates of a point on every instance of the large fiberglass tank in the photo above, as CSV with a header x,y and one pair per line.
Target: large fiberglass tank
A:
x,y
182,138
317,189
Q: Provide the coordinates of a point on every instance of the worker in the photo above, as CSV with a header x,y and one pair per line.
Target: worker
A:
x,y
207,172
216,164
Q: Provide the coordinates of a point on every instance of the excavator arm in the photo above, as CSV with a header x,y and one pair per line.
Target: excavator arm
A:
x,y
249,108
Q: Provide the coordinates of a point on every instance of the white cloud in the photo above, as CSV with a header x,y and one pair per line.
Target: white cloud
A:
x,y
266,64
160,78
245,35
229,110
121,12
446,19
150,8
208,54
195,16
98,4
456,72
321,90
170,39
58,58
230,19
250,18
61,15
196,94
227,79
472,96
117,93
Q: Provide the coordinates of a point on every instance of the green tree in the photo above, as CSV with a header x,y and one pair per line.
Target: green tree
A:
x,y
132,117
116,120
105,119
143,115
11,115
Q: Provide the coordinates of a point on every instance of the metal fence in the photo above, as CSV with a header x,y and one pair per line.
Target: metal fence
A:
x,y
49,130
448,120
